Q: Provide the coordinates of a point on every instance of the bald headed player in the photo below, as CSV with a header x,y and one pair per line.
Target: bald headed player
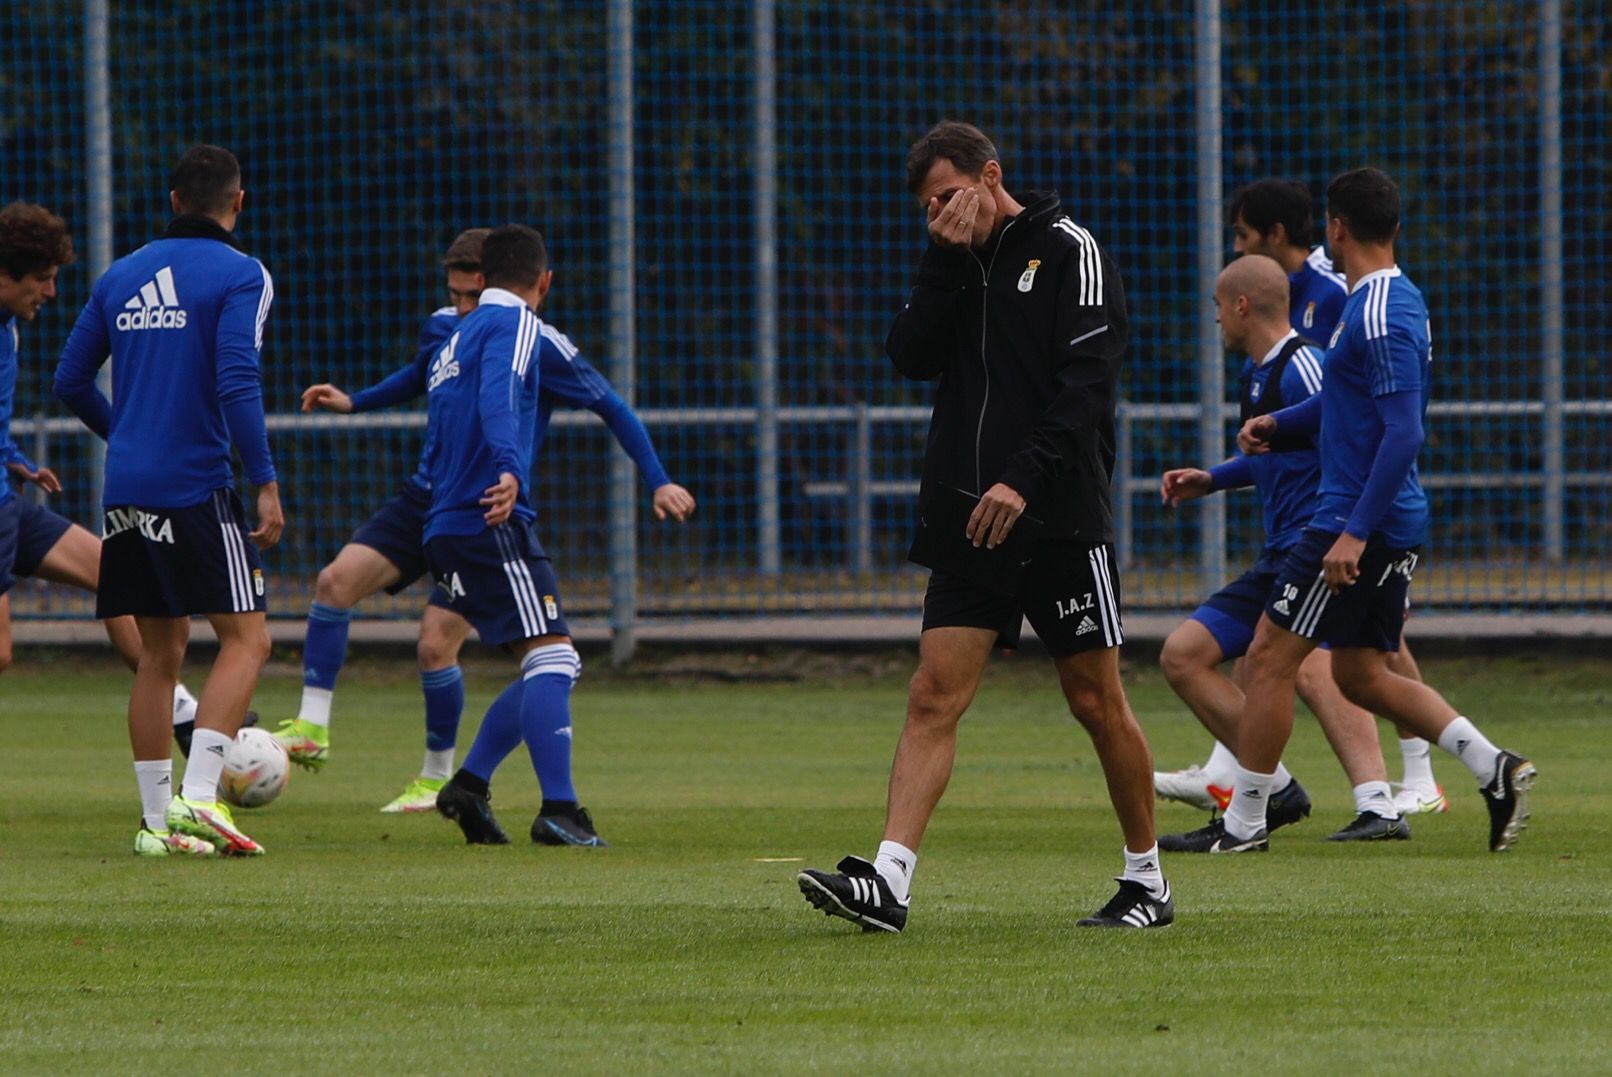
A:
x,y
1251,305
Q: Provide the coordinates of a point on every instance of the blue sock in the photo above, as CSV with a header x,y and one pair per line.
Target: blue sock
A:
x,y
325,648
499,735
548,674
444,702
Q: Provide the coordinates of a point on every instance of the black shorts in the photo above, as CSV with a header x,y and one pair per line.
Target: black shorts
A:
x,y
500,581
1069,592
179,562
1368,613
27,533
397,533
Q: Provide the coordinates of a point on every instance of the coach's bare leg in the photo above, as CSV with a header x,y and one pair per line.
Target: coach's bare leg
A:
x,y
1190,661
76,561
1271,680
1365,678
5,632
151,700
1403,663
1350,730
243,647
1096,696
443,634
357,572
950,664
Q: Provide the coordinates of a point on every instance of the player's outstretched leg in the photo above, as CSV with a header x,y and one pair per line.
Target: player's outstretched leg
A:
x,y
548,673
1505,778
466,797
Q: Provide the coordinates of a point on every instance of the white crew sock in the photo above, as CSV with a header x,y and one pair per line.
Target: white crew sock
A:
x,y
184,705
1462,740
1144,868
895,865
315,706
1245,816
438,765
155,777
206,763
1376,798
1418,756
1221,768
1281,779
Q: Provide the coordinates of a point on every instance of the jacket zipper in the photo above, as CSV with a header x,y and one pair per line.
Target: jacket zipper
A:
x,y
985,306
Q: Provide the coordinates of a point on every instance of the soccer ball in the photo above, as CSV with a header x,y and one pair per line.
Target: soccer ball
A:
x,y
256,769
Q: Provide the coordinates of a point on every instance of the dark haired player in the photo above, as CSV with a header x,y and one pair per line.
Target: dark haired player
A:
x,y
1345,582
182,319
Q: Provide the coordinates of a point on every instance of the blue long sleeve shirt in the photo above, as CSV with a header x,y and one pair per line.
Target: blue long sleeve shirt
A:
x,y
182,319
10,452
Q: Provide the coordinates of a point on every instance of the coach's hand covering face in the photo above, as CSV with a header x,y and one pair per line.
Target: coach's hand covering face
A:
x,y
965,211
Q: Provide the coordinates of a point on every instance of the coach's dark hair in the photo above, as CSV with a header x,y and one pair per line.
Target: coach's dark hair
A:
x,y
32,240
1266,203
963,144
206,180
464,253
1367,201
513,255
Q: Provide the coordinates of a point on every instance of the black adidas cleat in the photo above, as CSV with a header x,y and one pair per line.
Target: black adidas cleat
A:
x,y
567,828
1507,797
1369,826
1133,906
1214,839
1286,806
184,731
474,814
856,893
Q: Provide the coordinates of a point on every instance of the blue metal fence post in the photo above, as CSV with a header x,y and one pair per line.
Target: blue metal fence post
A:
x,y
1211,353
98,188
623,515
765,179
1552,338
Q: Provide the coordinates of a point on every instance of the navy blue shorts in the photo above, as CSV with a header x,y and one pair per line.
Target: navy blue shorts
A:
x,y
27,533
397,533
1368,613
1231,613
1069,593
500,581
179,562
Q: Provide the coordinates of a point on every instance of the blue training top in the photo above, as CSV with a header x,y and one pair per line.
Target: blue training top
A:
x,y
182,318
10,452
564,376
1316,294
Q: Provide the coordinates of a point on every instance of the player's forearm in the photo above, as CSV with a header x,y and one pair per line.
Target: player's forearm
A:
x,y
1396,455
1233,474
77,390
631,435
1302,418
401,386
249,434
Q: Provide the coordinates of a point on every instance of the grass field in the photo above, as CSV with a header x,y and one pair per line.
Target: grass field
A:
x,y
381,944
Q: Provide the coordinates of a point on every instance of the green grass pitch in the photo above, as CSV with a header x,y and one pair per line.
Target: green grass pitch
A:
x,y
366,943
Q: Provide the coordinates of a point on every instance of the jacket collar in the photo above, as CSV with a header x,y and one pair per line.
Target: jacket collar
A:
x,y
196,226
500,297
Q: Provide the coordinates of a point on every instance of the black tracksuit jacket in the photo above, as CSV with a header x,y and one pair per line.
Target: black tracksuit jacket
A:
x,y
1025,336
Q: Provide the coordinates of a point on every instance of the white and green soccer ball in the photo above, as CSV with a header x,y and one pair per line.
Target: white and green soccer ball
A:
x,y
256,769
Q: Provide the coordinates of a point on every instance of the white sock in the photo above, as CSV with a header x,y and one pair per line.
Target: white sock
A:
x,y
207,748
1144,868
315,706
155,777
1418,756
1376,798
1462,740
184,705
1281,779
1245,817
1221,767
438,765
895,865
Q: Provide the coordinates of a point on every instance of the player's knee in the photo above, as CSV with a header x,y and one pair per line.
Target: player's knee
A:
x,y
1314,680
933,700
435,649
1177,661
333,588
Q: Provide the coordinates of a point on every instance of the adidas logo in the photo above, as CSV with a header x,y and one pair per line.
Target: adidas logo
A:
x,y
1461,746
1282,607
1086,625
156,307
